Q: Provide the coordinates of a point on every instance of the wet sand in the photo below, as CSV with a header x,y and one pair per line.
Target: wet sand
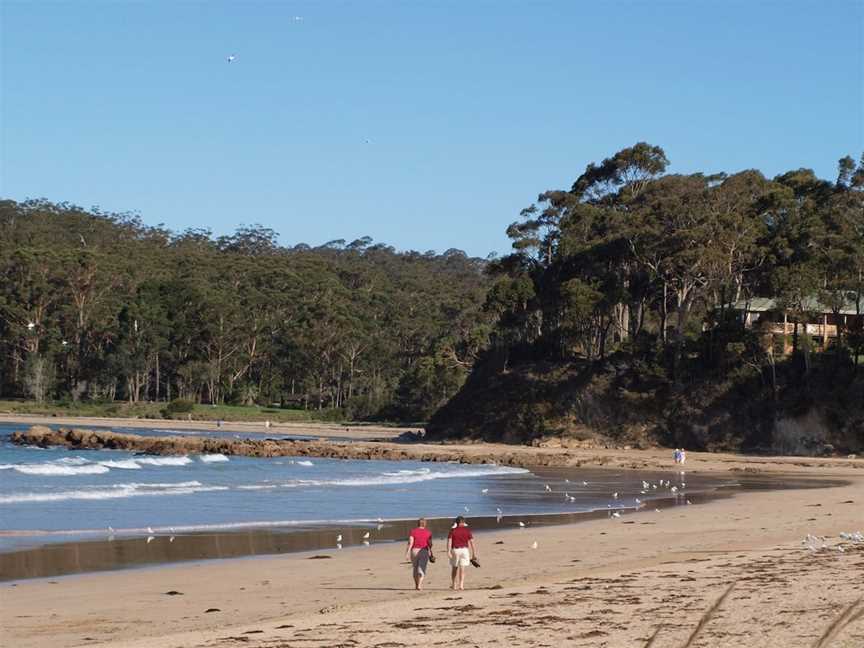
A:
x,y
50,559
605,582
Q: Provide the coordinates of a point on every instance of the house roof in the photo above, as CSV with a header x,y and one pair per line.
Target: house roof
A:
x,y
810,304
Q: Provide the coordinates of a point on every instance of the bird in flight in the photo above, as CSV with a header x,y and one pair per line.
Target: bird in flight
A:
x,y
231,58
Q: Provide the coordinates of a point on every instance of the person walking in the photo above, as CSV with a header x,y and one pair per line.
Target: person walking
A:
x,y
461,551
419,551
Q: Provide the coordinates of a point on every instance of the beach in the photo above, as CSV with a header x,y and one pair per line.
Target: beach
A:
x,y
602,582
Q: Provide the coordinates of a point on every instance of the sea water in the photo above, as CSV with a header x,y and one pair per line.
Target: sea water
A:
x,y
56,494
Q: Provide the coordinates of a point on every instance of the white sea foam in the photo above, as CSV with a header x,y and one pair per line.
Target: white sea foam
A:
x,y
213,458
302,462
116,491
163,461
123,464
407,477
59,470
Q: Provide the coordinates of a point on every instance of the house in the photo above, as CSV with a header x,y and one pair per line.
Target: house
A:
x,y
816,321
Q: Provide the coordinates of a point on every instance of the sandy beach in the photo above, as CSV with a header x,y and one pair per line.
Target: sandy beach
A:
x,y
322,430
607,582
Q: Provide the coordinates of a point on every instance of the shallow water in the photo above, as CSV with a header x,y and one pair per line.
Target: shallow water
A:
x,y
56,496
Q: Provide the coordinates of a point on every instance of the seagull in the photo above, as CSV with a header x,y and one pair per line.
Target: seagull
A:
x,y
674,489
231,58
548,490
366,543
616,514
521,525
150,530
484,491
366,536
339,538
64,343
150,539
534,545
614,495
656,510
171,539
584,483
572,499
338,545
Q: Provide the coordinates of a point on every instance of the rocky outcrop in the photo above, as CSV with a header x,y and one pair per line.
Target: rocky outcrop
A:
x,y
80,439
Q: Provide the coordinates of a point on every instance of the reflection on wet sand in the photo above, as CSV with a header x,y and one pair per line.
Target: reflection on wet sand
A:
x,y
58,559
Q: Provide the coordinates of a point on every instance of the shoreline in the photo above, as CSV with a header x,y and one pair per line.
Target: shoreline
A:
x,y
359,431
125,551
362,597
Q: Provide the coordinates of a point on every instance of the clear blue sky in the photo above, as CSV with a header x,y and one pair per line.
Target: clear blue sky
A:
x,y
472,108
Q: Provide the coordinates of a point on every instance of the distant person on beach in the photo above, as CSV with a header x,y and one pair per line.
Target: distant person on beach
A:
x,y
419,551
461,551
677,456
682,457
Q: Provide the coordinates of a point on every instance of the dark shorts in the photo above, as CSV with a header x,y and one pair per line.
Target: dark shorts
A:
x,y
420,560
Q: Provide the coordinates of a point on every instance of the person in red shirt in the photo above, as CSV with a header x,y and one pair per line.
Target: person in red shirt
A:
x,y
419,550
461,550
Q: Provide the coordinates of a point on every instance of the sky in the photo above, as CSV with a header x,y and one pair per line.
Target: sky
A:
x,y
425,125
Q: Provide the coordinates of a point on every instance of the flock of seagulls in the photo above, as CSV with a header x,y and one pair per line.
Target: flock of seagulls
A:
x,y
813,543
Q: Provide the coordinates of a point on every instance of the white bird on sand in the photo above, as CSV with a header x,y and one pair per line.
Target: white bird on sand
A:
x,y
656,510
614,495
616,514
683,485
584,483
338,545
171,539
572,499
645,484
521,525
231,58
548,490
534,545
366,536
484,491
688,501
566,481
365,543
339,538
150,539
674,489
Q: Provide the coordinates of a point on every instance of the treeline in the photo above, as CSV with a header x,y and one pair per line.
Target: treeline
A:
x,y
632,258
98,306
616,318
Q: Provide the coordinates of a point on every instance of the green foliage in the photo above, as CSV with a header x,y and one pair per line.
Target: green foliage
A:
x,y
125,312
179,406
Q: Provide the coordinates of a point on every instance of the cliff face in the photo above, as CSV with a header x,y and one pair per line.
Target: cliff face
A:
x,y
620,402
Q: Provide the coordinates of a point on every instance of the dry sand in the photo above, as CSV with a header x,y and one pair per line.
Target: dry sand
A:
x,y
598,583
323,430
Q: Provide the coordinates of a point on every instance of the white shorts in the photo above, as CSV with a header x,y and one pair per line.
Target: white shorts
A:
x,y
461,557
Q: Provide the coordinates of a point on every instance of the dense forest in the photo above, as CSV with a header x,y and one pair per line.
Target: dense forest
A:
x,y
615,310
614,316
97,306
